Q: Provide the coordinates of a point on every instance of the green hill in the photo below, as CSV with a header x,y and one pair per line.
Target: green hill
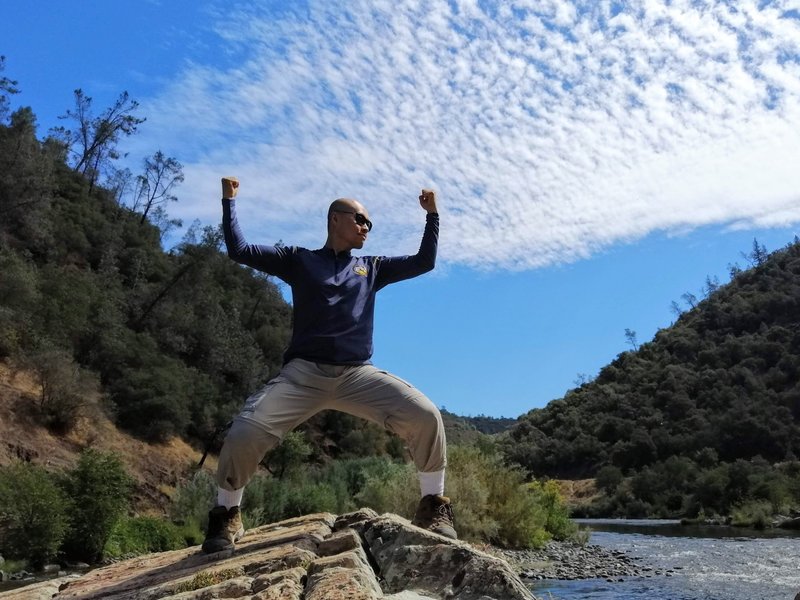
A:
x,y
703,417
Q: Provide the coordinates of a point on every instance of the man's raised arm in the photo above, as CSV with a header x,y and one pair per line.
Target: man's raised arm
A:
x,y
269,259
398,268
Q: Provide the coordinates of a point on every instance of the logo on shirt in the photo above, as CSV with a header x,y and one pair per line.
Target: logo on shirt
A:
x,y
360,270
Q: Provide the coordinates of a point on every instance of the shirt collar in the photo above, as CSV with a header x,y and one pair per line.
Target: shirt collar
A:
x,y
330,252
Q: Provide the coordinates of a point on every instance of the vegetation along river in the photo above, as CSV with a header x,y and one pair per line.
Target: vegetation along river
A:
x,y
697,562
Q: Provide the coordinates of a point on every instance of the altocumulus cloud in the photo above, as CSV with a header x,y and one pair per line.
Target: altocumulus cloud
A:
x,y
550,129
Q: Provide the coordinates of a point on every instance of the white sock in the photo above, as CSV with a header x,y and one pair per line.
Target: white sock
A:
x,y
229,499
431,483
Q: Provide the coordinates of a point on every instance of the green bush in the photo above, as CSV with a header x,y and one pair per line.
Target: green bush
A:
x,y
65,390
756,514
310,498
33,519
289,456
339,487
555,510
99,490
608,479
491,500
193,501
141,535
388,487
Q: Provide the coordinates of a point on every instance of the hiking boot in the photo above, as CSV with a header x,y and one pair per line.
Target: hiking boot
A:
x,y
435,513
224,529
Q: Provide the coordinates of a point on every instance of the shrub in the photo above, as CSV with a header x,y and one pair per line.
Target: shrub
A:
x,y
556,513
193,501
151,401
388,487
66,390
608,479
33,521
265,500
98,489
289,455
140,535
491,501
310,498
756,514
376,482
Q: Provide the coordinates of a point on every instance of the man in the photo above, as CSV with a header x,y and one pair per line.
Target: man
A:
x,y
327,364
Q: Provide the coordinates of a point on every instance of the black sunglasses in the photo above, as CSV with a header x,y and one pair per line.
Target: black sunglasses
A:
x,y
360,219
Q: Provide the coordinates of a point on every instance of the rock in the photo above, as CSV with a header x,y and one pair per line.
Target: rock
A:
x,y
789,523
44,590
341,541
359,556
414,559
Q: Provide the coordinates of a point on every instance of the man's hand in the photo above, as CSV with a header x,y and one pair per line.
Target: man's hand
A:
x,y
427,200
230,186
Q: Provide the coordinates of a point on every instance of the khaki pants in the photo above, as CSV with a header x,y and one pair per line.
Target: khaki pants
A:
x,y
304,388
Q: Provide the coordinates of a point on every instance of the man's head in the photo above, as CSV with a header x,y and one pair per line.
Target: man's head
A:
x,y
348,224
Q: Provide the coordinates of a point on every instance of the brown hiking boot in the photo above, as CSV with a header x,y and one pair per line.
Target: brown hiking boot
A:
x,y
435,513
224,529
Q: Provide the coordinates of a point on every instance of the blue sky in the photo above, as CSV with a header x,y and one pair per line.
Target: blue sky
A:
x,y
594,160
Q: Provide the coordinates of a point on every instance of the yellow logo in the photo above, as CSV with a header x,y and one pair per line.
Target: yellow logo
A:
x,y
360,270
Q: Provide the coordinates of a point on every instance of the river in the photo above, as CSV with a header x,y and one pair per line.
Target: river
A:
x,y
700,562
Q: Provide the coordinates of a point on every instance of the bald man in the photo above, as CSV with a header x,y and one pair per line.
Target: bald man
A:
x,y
327,364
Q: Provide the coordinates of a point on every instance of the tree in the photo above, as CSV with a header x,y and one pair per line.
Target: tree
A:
x,y
93,144
608,479
690,299
99,489
630,336
7,86
757,256
289,455
734,270
66,390
711,285
32,513
154,185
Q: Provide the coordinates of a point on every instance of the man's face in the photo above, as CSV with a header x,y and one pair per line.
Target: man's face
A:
x,y
351,224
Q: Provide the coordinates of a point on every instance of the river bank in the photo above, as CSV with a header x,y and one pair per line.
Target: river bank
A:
x,y
571,560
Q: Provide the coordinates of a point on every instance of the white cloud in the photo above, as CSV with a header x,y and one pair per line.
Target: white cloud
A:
x,y
550,129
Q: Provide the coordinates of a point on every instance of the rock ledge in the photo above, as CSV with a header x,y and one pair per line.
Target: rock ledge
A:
x,y
357,556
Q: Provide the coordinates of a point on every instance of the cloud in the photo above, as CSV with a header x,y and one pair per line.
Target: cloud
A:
x,y
551,130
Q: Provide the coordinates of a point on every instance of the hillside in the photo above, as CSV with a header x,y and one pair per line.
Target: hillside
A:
x,y
157,469
706,416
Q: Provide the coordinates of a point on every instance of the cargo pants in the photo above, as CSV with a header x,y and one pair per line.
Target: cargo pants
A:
x,y
304,388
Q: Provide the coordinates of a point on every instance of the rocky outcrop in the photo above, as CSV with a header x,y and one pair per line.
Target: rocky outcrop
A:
x,y
359,556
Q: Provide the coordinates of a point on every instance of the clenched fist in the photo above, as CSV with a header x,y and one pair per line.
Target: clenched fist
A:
x,y
230,186
427,200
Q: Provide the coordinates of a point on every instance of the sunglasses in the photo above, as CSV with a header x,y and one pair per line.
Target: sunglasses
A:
x,y
360,219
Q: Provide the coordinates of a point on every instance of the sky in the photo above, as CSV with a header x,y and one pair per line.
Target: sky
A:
x,y
593,161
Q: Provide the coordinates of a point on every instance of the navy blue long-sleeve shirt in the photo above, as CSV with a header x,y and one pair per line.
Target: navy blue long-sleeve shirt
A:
x,y
333,295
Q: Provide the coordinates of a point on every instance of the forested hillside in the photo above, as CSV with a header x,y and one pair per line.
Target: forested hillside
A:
x,y
703,417
89,297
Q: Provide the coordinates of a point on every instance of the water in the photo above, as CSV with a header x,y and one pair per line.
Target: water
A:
x,y
706,563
